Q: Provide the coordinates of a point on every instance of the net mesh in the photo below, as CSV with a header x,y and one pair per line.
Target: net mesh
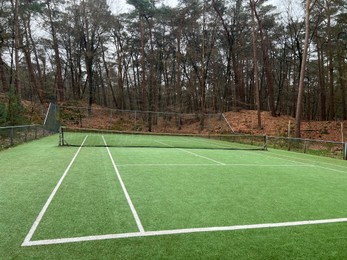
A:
x,y
95,138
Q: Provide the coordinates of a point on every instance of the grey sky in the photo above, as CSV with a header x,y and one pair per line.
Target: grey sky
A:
x,y
119,6
293,6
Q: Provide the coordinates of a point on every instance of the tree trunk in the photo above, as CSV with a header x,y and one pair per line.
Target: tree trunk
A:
x,y
255,63
321,84
342,82
16,49
60,83
178,69
143,67
302,73
3,80
108,79
330,64
267,66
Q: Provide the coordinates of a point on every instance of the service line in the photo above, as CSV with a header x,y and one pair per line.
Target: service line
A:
x,y
186,151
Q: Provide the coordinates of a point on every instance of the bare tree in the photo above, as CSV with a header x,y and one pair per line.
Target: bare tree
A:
x,y
299,105
255,61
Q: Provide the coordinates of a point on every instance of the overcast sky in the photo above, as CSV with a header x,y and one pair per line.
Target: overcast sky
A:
x,y
120,6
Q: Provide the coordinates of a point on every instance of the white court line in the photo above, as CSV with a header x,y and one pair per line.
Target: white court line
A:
x,y
327,163
210,164
43,210
283,157
183,231
311,160
201,156
131,205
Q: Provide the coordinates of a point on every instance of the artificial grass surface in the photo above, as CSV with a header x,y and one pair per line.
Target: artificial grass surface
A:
x,y
95,138
90,202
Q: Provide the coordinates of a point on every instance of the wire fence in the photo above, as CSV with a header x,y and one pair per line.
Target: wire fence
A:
x,y
15,135
157,122
142,121
309,146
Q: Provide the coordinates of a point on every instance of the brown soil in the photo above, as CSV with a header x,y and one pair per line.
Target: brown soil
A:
x,y
246,121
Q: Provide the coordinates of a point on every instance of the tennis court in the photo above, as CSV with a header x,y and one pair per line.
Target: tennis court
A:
x,y
176,188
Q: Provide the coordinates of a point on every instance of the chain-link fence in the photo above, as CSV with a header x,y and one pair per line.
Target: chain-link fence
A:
x,y
143,121
166,122
14,135
316,147
51,122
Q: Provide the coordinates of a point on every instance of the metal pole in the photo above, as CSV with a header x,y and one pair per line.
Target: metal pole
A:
x,y
342,135
11,136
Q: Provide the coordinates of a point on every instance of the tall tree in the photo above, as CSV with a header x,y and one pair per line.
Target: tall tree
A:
x,y
94,19
255,61
266,60
299,105
55,45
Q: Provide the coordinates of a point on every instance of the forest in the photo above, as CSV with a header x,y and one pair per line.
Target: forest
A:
x,y
198,57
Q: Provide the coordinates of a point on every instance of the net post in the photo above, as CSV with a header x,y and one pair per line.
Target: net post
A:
x,y
345,151
61,136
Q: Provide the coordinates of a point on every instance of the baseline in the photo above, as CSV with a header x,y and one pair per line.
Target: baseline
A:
x,y
210,164
183,231
50,198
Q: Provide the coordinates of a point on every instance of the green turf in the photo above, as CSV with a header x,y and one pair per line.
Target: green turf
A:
x,y
170,189
72,138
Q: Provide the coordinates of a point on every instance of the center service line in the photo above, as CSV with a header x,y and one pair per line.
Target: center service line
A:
x,y
186,151
131,205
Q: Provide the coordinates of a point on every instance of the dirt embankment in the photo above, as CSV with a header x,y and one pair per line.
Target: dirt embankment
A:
x,y
245,121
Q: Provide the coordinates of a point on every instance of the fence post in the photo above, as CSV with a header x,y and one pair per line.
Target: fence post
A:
x,y
26,134
342,133
265,142
305,146
345,151
11,137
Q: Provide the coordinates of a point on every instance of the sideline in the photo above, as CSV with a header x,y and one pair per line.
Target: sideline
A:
x,y
49,200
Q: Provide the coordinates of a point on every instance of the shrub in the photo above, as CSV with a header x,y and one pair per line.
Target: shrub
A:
x,y
3,114
15,110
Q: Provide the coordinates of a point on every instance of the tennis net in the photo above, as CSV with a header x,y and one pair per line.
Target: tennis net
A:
x,y
102,138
